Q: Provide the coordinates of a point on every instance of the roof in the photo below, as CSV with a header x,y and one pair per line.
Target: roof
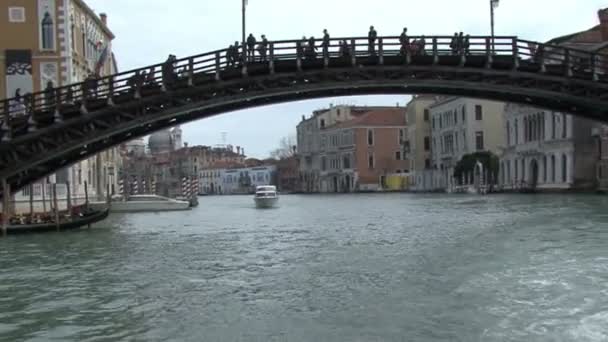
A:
x,y
95,17
379,117
592,35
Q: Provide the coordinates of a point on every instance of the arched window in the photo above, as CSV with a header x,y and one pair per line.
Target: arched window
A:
x,y
508,133
543,126
564,168
516,133
48,36
552,168
564,126
525,130
533,128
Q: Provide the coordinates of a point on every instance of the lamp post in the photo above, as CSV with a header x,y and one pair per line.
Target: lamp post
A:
x,y
244,22
493,5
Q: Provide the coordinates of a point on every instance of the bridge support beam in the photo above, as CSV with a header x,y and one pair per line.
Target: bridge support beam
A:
x,y
218,68
353,53
594,75
567,63
380,52
190,72
435,52
271,59
111,91
515,50
5,128
489,55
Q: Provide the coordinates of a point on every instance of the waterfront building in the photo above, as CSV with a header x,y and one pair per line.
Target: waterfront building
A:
x,y
58,42
418,141
462,126
547,150
288,175
347,149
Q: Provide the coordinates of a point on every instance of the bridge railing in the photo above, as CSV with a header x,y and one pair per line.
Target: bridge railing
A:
x,y
20,115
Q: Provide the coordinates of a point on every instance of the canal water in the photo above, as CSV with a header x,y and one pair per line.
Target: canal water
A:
x,y
319,268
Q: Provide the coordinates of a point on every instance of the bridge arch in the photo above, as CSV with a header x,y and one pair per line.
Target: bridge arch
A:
x,y
51,130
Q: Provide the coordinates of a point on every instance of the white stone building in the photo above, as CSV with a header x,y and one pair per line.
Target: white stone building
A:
x,y
462,126
547,150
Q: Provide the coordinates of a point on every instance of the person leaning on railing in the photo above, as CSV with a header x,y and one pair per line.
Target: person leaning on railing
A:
x,y
404,39
325,44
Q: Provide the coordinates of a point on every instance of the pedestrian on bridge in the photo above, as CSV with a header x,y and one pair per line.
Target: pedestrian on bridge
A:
x,y
454,44
168,71
230,55
404,39
460,42
344,49
325,44
466,44
49,93
311,49
251,42
263,49
371,40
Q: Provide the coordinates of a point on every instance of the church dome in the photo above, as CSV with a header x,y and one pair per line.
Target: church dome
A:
x,y
160,142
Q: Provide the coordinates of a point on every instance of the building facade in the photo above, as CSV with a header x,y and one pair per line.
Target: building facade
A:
x,y
547,150
462,126
418,141
551,151
58,42
347,149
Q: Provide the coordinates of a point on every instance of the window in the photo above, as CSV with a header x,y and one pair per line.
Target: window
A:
x,y
48,32
544,169
370,137
427,163
564,168
553,169
525,130
508,133
553,124
516,129
323,163
440,121
401,136
427,143
478,113
455,117
346,161
370,161
433,123
398,155
479,141
16,14
322,123
464,116
516,162
426,115
398,171
565,127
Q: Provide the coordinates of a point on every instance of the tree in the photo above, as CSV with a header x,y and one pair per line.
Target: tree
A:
x,y
466,165
286,149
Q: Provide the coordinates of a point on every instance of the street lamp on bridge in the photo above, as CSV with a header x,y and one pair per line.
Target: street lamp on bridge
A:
x,y
245,2
493,5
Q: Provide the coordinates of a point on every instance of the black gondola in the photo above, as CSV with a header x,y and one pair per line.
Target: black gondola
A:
x,y
83,219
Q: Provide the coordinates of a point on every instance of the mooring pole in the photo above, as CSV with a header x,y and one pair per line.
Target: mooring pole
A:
x,y
55,205
6,193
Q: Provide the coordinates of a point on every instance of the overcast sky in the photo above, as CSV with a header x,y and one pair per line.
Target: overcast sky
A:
x,y
148,30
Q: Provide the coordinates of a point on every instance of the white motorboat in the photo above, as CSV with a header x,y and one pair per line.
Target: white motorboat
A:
x,y
266,196
147,203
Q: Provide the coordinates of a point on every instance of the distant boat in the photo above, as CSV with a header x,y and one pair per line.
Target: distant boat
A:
x,y
82,219
266,196
146,203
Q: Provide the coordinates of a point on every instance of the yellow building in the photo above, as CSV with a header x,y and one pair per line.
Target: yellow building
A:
x,y
418,141
58,41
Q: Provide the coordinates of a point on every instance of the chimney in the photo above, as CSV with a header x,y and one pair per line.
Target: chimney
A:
x,y
303,117
238,150
104,18
186,144
603,16
243,151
